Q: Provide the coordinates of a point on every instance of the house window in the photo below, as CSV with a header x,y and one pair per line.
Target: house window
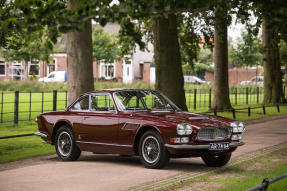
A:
x,y
108,71
52,66
16,71
34,68
2,68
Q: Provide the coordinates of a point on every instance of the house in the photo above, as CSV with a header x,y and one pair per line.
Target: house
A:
x,y
133,67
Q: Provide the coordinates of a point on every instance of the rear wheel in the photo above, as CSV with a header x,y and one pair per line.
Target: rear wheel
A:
x,y
216,161
65,144
152,151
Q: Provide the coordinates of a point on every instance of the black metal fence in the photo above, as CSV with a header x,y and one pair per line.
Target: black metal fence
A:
x,y
202,98
266,183
25,106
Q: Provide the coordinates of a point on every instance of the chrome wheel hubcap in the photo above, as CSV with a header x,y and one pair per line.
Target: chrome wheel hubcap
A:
x,y
150,149
64,143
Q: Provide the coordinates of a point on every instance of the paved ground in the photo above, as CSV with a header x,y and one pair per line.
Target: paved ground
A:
x,y
111,172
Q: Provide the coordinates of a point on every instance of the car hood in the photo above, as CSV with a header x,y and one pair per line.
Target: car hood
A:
x,y
195,119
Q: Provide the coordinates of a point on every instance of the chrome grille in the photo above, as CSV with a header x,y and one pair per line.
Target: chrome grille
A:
x,y
213,134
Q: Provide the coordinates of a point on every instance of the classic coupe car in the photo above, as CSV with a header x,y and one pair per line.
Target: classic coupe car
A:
x,y
138,122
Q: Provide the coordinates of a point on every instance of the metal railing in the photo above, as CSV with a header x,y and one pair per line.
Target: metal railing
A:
x,y
25,106
266,183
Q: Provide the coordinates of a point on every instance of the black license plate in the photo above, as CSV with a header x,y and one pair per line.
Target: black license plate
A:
x,y
218,146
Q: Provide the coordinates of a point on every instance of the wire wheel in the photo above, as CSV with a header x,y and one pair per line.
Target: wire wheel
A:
x,y
150,149
64,143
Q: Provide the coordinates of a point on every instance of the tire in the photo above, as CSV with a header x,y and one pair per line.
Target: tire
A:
x,y
152,151
65,145
216,161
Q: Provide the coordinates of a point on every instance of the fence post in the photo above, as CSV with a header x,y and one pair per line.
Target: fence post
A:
x,y
194,104
42,101
264,111
257,94
209,103
249,111
30,105
2,108
278,109
16,107
246,95
233,113
235,96
66,98
189,99
54,100
284,91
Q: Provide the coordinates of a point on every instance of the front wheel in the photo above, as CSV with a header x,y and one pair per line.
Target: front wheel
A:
x,y
216,161
152,151
66,147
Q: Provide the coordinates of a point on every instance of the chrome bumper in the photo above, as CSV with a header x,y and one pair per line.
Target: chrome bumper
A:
x,y
232,144
41,134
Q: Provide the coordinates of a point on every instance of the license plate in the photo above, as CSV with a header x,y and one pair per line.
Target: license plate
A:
x,y
218,146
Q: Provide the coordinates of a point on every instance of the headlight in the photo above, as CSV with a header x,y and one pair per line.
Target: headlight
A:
x,y
184,129
237,127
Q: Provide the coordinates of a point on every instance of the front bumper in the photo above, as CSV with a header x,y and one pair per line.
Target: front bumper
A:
x,y
231,145
43,135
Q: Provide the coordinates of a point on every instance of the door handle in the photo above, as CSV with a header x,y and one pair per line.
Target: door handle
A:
x,y
85,117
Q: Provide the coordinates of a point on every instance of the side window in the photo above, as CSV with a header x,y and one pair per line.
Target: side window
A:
x,y
102,103
81,105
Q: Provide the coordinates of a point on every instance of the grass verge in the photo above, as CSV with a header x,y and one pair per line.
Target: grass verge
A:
x,y
23,147
241,176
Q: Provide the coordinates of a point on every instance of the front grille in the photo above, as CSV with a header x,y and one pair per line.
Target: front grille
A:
x,y
213,134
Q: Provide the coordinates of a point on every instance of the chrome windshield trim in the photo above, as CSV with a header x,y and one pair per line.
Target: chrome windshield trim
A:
x,y
41,134
107,144
232,144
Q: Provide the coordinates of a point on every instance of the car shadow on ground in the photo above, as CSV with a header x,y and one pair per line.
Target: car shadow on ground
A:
x,y
178,164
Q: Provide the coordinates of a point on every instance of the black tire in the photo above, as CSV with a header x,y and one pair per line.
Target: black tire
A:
x,y
216,161
65,145
158,156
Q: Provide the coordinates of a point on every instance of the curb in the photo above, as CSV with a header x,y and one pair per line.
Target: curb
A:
x,y
265,119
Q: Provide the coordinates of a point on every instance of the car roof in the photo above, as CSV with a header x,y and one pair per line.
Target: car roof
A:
x,y
113,90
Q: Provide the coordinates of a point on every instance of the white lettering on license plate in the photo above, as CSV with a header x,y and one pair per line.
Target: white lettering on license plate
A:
x,y
218,146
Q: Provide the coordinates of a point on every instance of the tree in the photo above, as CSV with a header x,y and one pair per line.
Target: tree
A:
x,y
248,51
79,58
105,45
273,15
27,47
221,89
169,76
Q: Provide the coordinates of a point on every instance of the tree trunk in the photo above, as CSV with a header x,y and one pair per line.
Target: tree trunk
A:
x,y
79,59
26,70
221,89
273,90
169,76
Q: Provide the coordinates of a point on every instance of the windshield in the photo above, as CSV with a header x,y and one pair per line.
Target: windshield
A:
x,y
143,100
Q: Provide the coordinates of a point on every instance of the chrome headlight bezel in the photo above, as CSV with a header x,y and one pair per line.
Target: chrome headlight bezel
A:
x,y
237,127
184,129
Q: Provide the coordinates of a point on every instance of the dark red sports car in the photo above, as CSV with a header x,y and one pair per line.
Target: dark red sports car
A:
x,y
138,122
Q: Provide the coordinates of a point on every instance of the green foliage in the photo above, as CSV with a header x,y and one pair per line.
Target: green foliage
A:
x,y
248,51
105,46
188,69
205,56
283,53
28,47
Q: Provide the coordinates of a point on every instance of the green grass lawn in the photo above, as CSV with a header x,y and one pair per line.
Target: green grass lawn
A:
x,y
43,102
242,176
22,147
